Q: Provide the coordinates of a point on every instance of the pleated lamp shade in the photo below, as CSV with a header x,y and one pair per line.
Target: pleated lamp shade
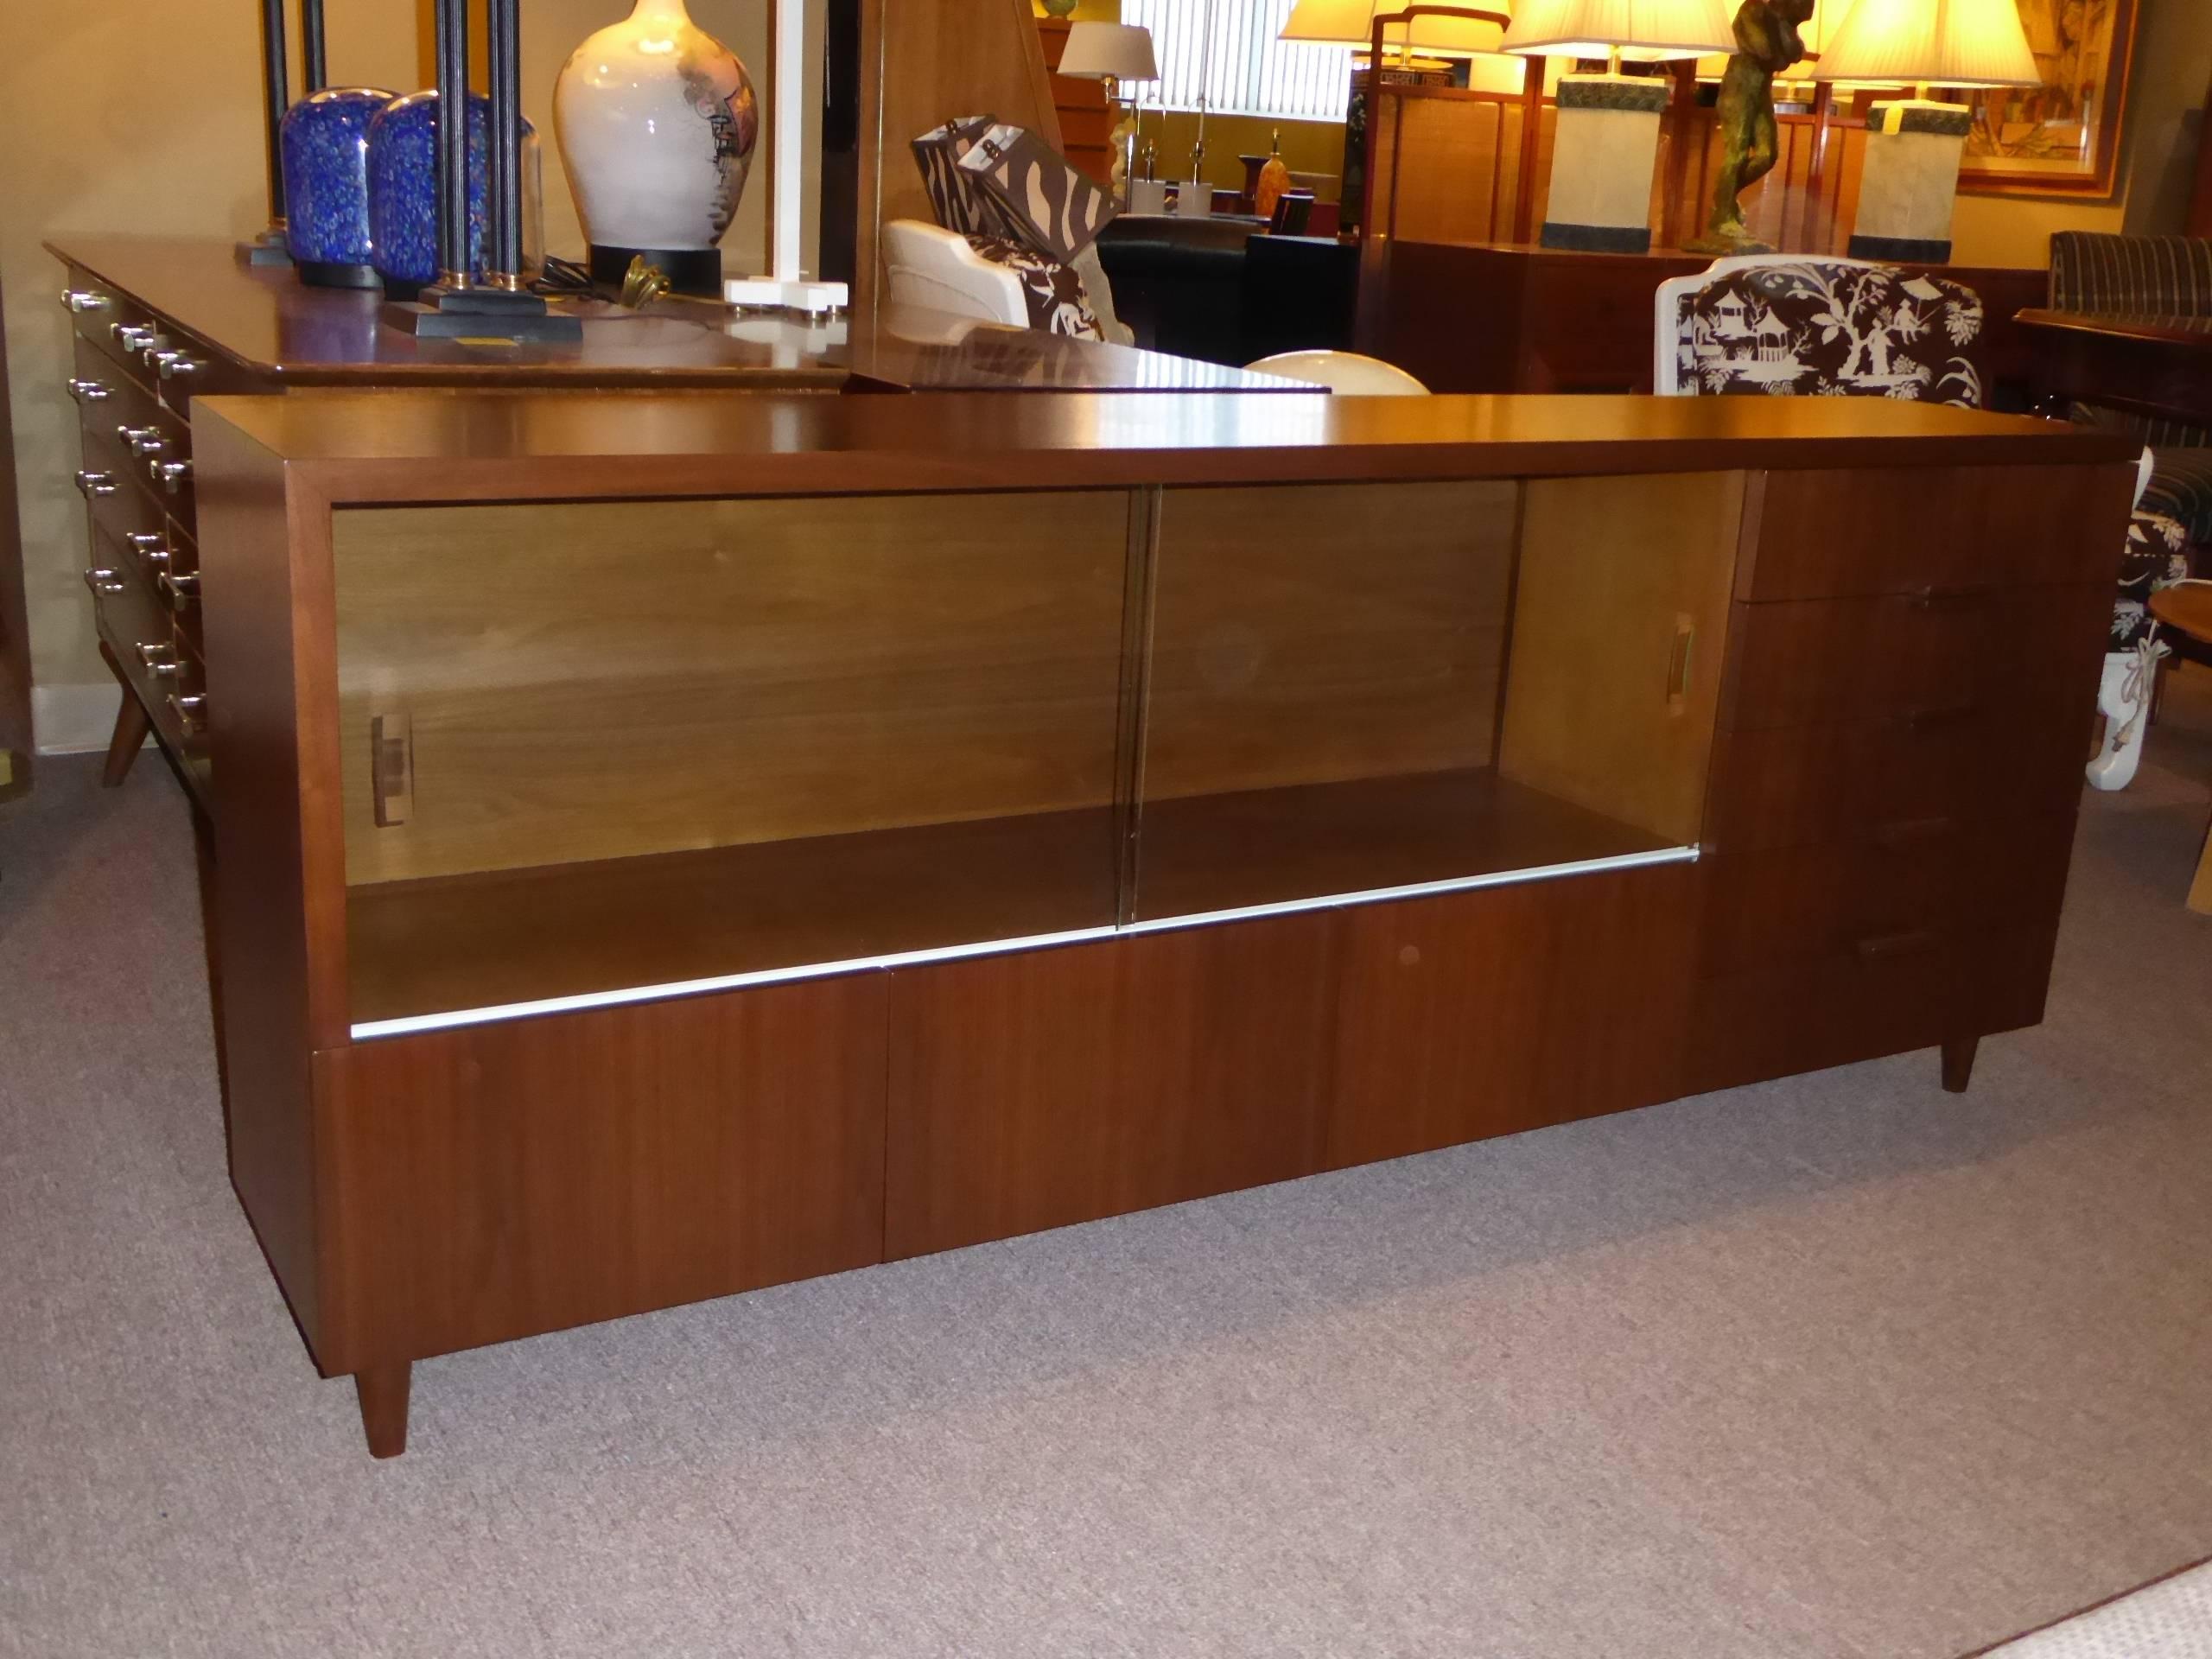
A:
x,y
1351,23
1932,43
1647,30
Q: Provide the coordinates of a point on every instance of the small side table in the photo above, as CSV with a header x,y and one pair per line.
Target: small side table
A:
x,y
2189,610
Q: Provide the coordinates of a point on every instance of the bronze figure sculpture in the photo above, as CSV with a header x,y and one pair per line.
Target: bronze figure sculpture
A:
x,y
1767,42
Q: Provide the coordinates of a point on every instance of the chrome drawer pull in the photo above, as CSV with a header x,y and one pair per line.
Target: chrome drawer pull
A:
x,y
85,299
93,484
132,336
152,551
160,660
102,579
90,392
190,709
141,440
180,366
169,474
180,590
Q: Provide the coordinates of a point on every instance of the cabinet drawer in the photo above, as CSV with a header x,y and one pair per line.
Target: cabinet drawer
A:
x,y
1824,535
1814,661
1891,893
119,329
1837,1010
1786,786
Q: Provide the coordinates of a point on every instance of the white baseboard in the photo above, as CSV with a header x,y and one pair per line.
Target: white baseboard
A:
x,y
73,719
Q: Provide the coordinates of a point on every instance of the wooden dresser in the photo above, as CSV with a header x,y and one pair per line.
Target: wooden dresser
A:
x,y
702,842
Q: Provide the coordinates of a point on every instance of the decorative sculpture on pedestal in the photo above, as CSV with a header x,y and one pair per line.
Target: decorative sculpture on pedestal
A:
x,y
1767,42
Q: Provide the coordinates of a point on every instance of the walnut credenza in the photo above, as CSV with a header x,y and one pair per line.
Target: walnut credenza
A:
x,y
701,842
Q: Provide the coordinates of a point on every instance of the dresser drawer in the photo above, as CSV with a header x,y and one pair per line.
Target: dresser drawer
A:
x,y
164,673
1775,1022
1840,534
1788,786
1818,661
1888,893
117,327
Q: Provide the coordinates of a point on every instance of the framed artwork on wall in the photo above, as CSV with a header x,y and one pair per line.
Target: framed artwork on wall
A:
x,y
2062,137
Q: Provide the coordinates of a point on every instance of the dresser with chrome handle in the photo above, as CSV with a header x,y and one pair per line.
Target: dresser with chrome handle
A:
x,y
132,379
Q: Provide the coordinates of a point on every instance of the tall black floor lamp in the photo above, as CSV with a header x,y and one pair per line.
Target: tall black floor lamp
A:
x,y
269,249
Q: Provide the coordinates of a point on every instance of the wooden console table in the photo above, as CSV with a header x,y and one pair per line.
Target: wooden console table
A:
x,y
2157,367
701,842
1497,317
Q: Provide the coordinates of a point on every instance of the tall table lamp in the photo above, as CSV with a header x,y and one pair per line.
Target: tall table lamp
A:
x,y
1914,145
1420,34
1115,53
1607,142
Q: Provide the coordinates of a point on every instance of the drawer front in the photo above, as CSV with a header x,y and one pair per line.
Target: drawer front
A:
x,y
1838,1010
1893,893
1787,786
129,435
139,631
118,327
1818,661
1841,534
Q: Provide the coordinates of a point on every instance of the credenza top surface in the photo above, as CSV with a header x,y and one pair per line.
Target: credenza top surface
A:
x,y
263,320
452,447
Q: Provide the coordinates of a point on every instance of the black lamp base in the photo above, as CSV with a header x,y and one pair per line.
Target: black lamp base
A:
x,y
483,314
267,248
328,273
689,271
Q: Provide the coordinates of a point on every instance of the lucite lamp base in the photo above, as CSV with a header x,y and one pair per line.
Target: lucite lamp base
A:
x,y
483,314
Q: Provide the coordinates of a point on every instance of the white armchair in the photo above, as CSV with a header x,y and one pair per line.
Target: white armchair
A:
x,y
934,268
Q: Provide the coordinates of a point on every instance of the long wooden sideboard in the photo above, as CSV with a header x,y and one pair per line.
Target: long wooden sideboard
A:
x,y
702,842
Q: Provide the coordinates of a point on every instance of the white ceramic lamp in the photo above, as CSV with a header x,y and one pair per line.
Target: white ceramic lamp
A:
x,y
1914,145
1607,142
657,121
1115,53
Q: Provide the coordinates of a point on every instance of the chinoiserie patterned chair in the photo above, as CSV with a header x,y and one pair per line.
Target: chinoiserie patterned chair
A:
x,y
1796,325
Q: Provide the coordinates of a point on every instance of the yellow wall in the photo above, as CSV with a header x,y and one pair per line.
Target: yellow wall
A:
x,y
145,115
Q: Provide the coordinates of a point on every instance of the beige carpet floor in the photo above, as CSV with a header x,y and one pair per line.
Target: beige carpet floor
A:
x,y
1841,1366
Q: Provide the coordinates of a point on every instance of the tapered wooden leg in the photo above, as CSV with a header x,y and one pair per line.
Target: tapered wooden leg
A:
x,y
2200,890
1958,1063
383,1390
130,728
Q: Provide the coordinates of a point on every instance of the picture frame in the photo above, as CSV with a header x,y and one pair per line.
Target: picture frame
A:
x,y
2064,137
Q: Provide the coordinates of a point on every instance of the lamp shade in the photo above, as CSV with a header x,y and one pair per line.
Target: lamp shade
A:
x,y
1647,30
1123,50
1351,23
1931,42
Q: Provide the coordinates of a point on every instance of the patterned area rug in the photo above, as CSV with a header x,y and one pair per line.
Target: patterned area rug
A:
x,y
2168,1619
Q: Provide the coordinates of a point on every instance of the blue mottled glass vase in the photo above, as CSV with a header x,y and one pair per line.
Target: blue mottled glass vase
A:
x,y
402,164
323,145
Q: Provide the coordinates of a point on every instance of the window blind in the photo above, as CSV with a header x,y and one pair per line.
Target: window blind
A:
x,y
1222,54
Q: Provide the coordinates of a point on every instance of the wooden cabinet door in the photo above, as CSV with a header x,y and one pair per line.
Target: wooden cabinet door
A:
x,y
1052,1087
1508,1008
497,1180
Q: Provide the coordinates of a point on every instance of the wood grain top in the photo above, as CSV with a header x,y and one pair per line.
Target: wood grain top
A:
x,y
2188,608
431,447
263,320
2191,333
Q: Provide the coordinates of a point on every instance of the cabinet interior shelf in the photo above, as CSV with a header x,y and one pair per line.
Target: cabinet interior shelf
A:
x,y
454,949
